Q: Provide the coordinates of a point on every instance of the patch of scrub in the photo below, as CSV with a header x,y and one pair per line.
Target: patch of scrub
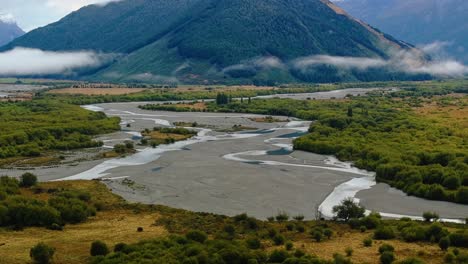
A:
x,y
350,188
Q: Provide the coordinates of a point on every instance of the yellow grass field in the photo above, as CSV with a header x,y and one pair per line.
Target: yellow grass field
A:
x,y
119,221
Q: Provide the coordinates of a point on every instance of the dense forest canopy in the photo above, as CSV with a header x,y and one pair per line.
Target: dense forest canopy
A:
x,y
219,41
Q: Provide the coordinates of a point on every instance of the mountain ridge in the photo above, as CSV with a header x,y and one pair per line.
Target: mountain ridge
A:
x,y
421,22
202,40
9,31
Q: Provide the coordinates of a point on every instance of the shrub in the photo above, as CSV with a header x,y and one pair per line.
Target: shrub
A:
x,y
253,243
299,217
367,242
387,257
317,235
42,253
348,209
444,243
340,259
363,229
372,221
229,229
71,210
119,247
270,219
28,180
278,256
197,236
290,226
99,248
349,251
300,228
282,216
278,239
328,233
384,232
289,246
240,217
272,232
411,261
449,258
386,247
459,238
430,216
299,253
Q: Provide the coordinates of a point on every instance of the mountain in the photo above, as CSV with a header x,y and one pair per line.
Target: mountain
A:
x,y
417,21
207,41
9,31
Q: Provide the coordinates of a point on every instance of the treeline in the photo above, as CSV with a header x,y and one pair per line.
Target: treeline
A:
x,y
63,207
167,95
31,128
424,157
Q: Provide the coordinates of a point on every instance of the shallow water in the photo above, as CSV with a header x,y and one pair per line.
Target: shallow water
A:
x,y
256,172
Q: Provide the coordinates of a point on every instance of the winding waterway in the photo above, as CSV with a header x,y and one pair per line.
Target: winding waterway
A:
x,y
256,171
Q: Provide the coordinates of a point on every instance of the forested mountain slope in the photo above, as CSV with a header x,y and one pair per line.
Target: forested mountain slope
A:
x,y
217,40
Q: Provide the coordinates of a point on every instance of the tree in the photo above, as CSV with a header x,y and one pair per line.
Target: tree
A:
x,y
348,209
28,180
42,253
99,248
430,216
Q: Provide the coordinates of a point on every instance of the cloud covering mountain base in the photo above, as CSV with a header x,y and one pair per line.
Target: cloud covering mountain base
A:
x,y
25,61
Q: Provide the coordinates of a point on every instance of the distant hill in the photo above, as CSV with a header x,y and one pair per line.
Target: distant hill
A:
x,y
9,31
209,41
417,21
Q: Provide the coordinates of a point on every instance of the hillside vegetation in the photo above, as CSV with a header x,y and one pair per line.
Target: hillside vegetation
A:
x,y
218,41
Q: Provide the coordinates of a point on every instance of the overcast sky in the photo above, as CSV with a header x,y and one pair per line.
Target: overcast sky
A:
x,y
30,14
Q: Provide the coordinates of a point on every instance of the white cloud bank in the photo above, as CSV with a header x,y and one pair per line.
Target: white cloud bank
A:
x,y
73,5
25,61
409,61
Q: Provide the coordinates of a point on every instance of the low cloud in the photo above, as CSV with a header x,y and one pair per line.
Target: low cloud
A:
x,y
7,18
341,62
409,61
26,61
257,64
149,77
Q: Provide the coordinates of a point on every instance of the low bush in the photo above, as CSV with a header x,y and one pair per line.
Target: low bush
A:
x,y
386,247
387,257
42,253
367,242
28,180
99,248
278,240
384,232
444,243
197,236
